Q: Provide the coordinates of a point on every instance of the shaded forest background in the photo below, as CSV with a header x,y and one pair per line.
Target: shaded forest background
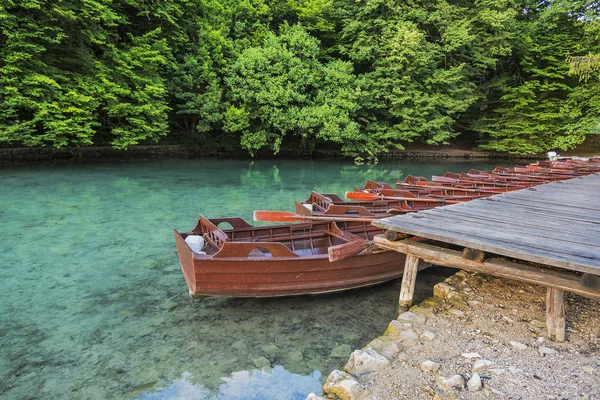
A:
x,y
360,76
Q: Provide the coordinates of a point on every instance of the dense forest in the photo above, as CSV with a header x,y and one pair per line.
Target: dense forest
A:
x,y
360,76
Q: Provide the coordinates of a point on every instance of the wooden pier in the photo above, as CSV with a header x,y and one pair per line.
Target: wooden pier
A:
x,y
555,224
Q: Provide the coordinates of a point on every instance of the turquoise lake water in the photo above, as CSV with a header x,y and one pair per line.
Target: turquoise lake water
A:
x,y
93,304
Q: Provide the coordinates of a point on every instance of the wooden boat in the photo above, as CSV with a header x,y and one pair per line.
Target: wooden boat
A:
x,y
281,260
419,191
332,205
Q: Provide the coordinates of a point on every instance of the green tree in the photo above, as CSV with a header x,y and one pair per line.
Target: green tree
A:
x,y
535,106
420,62
281,89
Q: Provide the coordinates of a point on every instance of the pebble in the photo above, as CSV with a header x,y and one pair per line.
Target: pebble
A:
x,y
474,384
518,345
537,323
546,351
499,392
588,369
456,312
496,371
455,381
411,318
471,355
429,366
541,339
427,336
481,365
514,370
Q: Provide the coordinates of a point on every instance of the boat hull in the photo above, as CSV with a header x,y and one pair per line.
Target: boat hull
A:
x,y
266,276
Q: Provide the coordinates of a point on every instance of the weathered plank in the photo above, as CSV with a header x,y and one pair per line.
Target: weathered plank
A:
x,y
497,267
506,248
520,232
548,221
422,225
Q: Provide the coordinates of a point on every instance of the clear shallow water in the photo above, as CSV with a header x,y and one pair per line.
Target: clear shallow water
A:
x,y
93,304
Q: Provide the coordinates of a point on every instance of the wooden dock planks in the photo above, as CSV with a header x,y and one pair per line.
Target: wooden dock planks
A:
x,y
556,224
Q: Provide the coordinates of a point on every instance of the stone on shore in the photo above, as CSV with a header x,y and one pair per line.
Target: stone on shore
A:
x,y
453,382
518,345
312,396
394,328
474,384
427,336
387,347
411,318
481,365
408,337
364,362
430,366
341,351
546,351
471,355
343,386
456,312
443,290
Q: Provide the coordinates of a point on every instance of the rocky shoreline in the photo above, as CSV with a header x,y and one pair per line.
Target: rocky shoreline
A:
x,y
478,337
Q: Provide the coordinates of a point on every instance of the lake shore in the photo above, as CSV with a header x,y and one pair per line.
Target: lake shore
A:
x,y
27,155
479,337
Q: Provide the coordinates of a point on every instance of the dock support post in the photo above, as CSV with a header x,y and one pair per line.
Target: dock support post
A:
x,y
409,278
555,314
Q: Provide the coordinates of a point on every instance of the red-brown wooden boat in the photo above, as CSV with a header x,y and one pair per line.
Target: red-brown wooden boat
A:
x,y
331,205
281,260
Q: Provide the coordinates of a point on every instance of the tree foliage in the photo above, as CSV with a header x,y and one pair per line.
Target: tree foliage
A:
x,y
535,105
360,76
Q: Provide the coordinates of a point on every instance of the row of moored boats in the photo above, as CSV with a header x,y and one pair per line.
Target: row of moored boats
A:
x,y
326,245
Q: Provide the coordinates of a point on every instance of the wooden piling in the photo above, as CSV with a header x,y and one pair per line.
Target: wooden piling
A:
x,y
555,314
408,281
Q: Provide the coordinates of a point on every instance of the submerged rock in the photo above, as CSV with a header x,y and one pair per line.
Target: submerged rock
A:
x,y
271,349
343,386
312,396
364,362
261,362
341,351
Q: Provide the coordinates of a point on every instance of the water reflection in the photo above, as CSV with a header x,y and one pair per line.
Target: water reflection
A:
x,y
274,384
